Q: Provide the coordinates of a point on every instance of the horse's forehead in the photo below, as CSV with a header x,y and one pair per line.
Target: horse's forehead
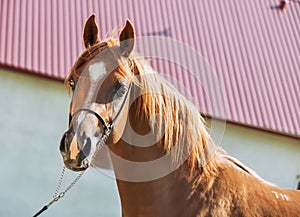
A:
x,y
97,71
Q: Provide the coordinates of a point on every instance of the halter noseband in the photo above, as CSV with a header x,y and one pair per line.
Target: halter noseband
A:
x,y
103,122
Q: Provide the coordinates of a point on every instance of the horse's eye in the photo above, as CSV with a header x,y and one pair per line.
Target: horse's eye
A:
x,y
72,83
120,90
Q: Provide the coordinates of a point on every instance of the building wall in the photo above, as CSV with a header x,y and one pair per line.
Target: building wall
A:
x,y
33,116
274,157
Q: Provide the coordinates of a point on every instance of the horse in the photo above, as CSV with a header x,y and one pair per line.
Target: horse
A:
x,y
119,96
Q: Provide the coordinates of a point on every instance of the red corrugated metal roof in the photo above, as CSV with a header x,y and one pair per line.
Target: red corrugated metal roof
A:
x,y
254,50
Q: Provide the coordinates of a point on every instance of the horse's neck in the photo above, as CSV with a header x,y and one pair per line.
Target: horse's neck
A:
x,y
157,195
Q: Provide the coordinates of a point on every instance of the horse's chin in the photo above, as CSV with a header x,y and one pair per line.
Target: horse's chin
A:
x,y
76,167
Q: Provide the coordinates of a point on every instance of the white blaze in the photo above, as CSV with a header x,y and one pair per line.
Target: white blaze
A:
x,y
97,71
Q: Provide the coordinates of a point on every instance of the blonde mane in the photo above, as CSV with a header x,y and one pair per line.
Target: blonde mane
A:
x,y
178,119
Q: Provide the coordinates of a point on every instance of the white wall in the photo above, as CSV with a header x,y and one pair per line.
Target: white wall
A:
x,y
274,157
33,116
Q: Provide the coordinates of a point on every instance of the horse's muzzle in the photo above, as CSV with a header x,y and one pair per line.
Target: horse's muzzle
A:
x,y
74,161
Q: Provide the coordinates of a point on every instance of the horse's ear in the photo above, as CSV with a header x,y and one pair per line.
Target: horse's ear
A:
x,y
127,39
90,32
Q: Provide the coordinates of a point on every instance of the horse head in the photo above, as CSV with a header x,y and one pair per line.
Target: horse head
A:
x,y
100,81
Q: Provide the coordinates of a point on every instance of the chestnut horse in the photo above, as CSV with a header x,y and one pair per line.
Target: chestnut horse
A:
x,y
146,119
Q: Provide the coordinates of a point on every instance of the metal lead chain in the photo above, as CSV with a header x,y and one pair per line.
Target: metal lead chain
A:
x,y
57,196
73,183
61,177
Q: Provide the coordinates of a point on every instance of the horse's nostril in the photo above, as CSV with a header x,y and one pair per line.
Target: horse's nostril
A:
x,y
86,149
63,144
87,146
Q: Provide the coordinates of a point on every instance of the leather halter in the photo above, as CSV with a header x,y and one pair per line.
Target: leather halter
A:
x,y
106,126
